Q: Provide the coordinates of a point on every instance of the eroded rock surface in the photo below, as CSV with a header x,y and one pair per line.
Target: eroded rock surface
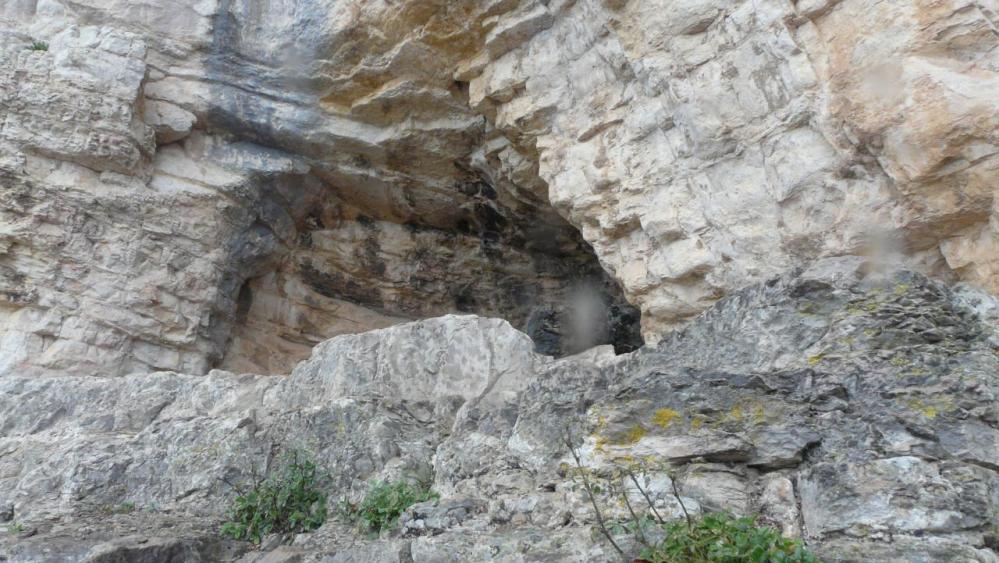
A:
x,y
701,144
204,184
229,182
181,192
855,411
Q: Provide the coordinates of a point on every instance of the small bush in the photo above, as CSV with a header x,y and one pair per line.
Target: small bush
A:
x,y
38,46
384,503
289,501
721,538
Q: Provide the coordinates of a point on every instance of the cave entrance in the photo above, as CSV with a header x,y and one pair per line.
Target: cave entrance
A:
x,y
351,268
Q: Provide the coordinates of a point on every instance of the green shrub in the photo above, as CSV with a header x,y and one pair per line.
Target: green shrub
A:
x,y
289,501
721,538
38,46
384,503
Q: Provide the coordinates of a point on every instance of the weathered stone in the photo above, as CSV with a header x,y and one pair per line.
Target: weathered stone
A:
x,y
170,122
201,184
697,148
900,463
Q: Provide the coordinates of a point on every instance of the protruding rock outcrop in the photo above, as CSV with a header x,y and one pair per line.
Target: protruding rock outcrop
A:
x,y
857,412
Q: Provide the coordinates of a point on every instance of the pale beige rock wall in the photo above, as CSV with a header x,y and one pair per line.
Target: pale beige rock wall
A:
x,y
697,145
703,144
230,183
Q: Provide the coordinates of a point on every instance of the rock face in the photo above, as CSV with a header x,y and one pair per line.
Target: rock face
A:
x,y
195,189
156,216
229,182
856,412
701,144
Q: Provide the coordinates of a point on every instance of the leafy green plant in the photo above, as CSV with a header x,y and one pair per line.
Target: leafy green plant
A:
x,y
15,528
722,538
289,501
384,503
38,46
712,538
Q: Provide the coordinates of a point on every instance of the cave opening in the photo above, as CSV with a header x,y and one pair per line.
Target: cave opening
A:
x,y
342,264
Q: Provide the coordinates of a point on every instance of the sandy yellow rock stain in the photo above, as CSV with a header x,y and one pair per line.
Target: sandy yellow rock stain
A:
x,y
664,417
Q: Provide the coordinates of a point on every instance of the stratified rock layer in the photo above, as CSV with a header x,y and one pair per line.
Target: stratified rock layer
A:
x,y
855,411
702,144
174,198
229,182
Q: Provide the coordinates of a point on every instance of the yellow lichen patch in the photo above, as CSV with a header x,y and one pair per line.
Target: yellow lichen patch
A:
x,y
696,422
870,331
626,460
927,410
601,422
635,433
813,360
901,288
899,361
600,443
735,413
932,407
759,414
664,417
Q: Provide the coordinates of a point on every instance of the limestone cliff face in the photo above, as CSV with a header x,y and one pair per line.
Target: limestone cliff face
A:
x,y
228,182
700,144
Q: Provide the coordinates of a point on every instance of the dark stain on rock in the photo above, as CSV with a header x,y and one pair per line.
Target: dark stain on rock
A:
x,y
464,300
476,188
243,302
544,327
360,161
370,255
337,286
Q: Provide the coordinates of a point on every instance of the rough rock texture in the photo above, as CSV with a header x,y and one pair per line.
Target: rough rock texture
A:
x,y
857,411
179,194
212,187
207,183
701,144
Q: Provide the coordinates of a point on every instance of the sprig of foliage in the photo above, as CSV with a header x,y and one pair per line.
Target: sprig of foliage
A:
x,y
722,538
38,46
712,538
289,501
384,503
